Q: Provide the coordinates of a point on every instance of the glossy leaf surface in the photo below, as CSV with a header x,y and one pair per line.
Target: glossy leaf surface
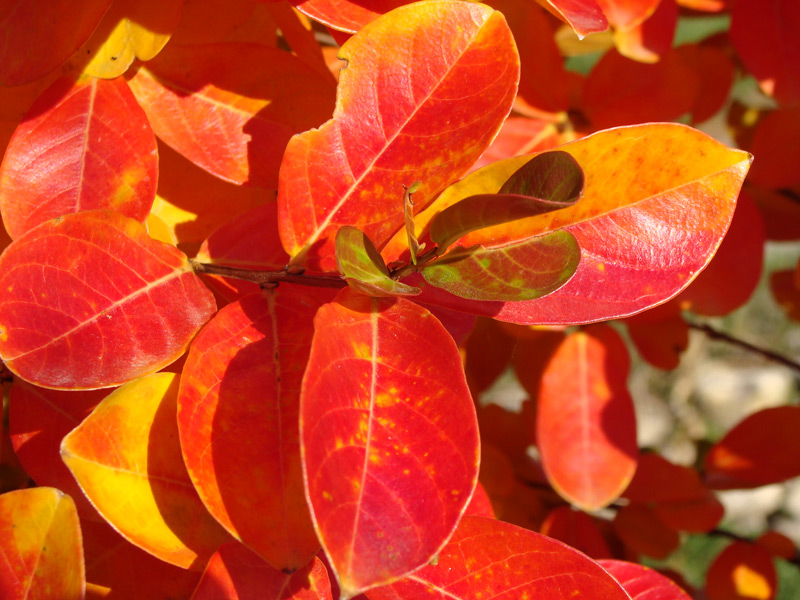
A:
x,y
389,437
40,541
491,559
762,449
586,427
236,573
626,223
643,583
110,303
362,266
584,16
346,15
38,37
423,111
231,108
237,415
136,478
549,181
82,146
522,271
740,572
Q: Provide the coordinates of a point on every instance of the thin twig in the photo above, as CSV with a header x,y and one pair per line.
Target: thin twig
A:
x,y
715,334
268,279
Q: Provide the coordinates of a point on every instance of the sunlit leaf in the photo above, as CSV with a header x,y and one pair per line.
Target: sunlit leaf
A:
x,y
761,449
626,14
520,135
231,108
584,16
643,583
38,37
109,303
491,559
235,573
346,15
742,571
586,427
237,416
362,266
423,112
648,40
136,479
389,437
82,146
40,541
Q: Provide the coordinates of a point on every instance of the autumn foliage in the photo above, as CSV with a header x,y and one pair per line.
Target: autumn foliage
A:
x,y
264,257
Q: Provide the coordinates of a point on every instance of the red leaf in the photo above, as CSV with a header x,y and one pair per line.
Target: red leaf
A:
x,y
40,541
644,532
520,135
780,212
576,529
643,583
237,416
762,449
235,573
627,14
346,15
101,319
764,34
491,559
742,571
776,142
389,437
231,108
38,37
715,74
586,427
38,420
584,16
81,146
452,84
480,505
660,334
649,40
777,544
658,481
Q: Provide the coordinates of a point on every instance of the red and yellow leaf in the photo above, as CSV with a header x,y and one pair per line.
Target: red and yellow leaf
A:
x,y
235,573
40,541
346,15
742,571
627,14
584,16
764,448
636,205
491,559
127,459
425,90
586,426
82,146
389,438
643,583
650,39
39,37
231,108
238,409
109,303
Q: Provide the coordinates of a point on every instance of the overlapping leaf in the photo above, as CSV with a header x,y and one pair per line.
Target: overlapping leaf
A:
x,y
425,90
136,479
651,38
389,437
636,206
37,38
346,15
586,426
231,108
491,559
742,571
235,573
237,415
584,16
643,583
40,541
576,529
83,145
109,303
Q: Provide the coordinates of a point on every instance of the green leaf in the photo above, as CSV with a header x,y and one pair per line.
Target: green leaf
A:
x,y
549,181
361,264
414,246
521,271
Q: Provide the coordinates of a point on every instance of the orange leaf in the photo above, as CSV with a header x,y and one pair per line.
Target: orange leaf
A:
x,y
584,16
649,40
627,14
346,15
586,427
40,541
101,319
235,573
520,135
742,571
137,479
81,146
231,108
237,415
452,84
389,437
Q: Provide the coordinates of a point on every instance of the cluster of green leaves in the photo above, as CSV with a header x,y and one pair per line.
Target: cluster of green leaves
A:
x,y
387,205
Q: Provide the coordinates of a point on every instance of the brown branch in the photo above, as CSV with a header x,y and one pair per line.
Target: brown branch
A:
x,y
715,334
267,279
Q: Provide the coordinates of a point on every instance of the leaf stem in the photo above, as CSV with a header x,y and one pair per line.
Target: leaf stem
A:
x,y
268,279
715,334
